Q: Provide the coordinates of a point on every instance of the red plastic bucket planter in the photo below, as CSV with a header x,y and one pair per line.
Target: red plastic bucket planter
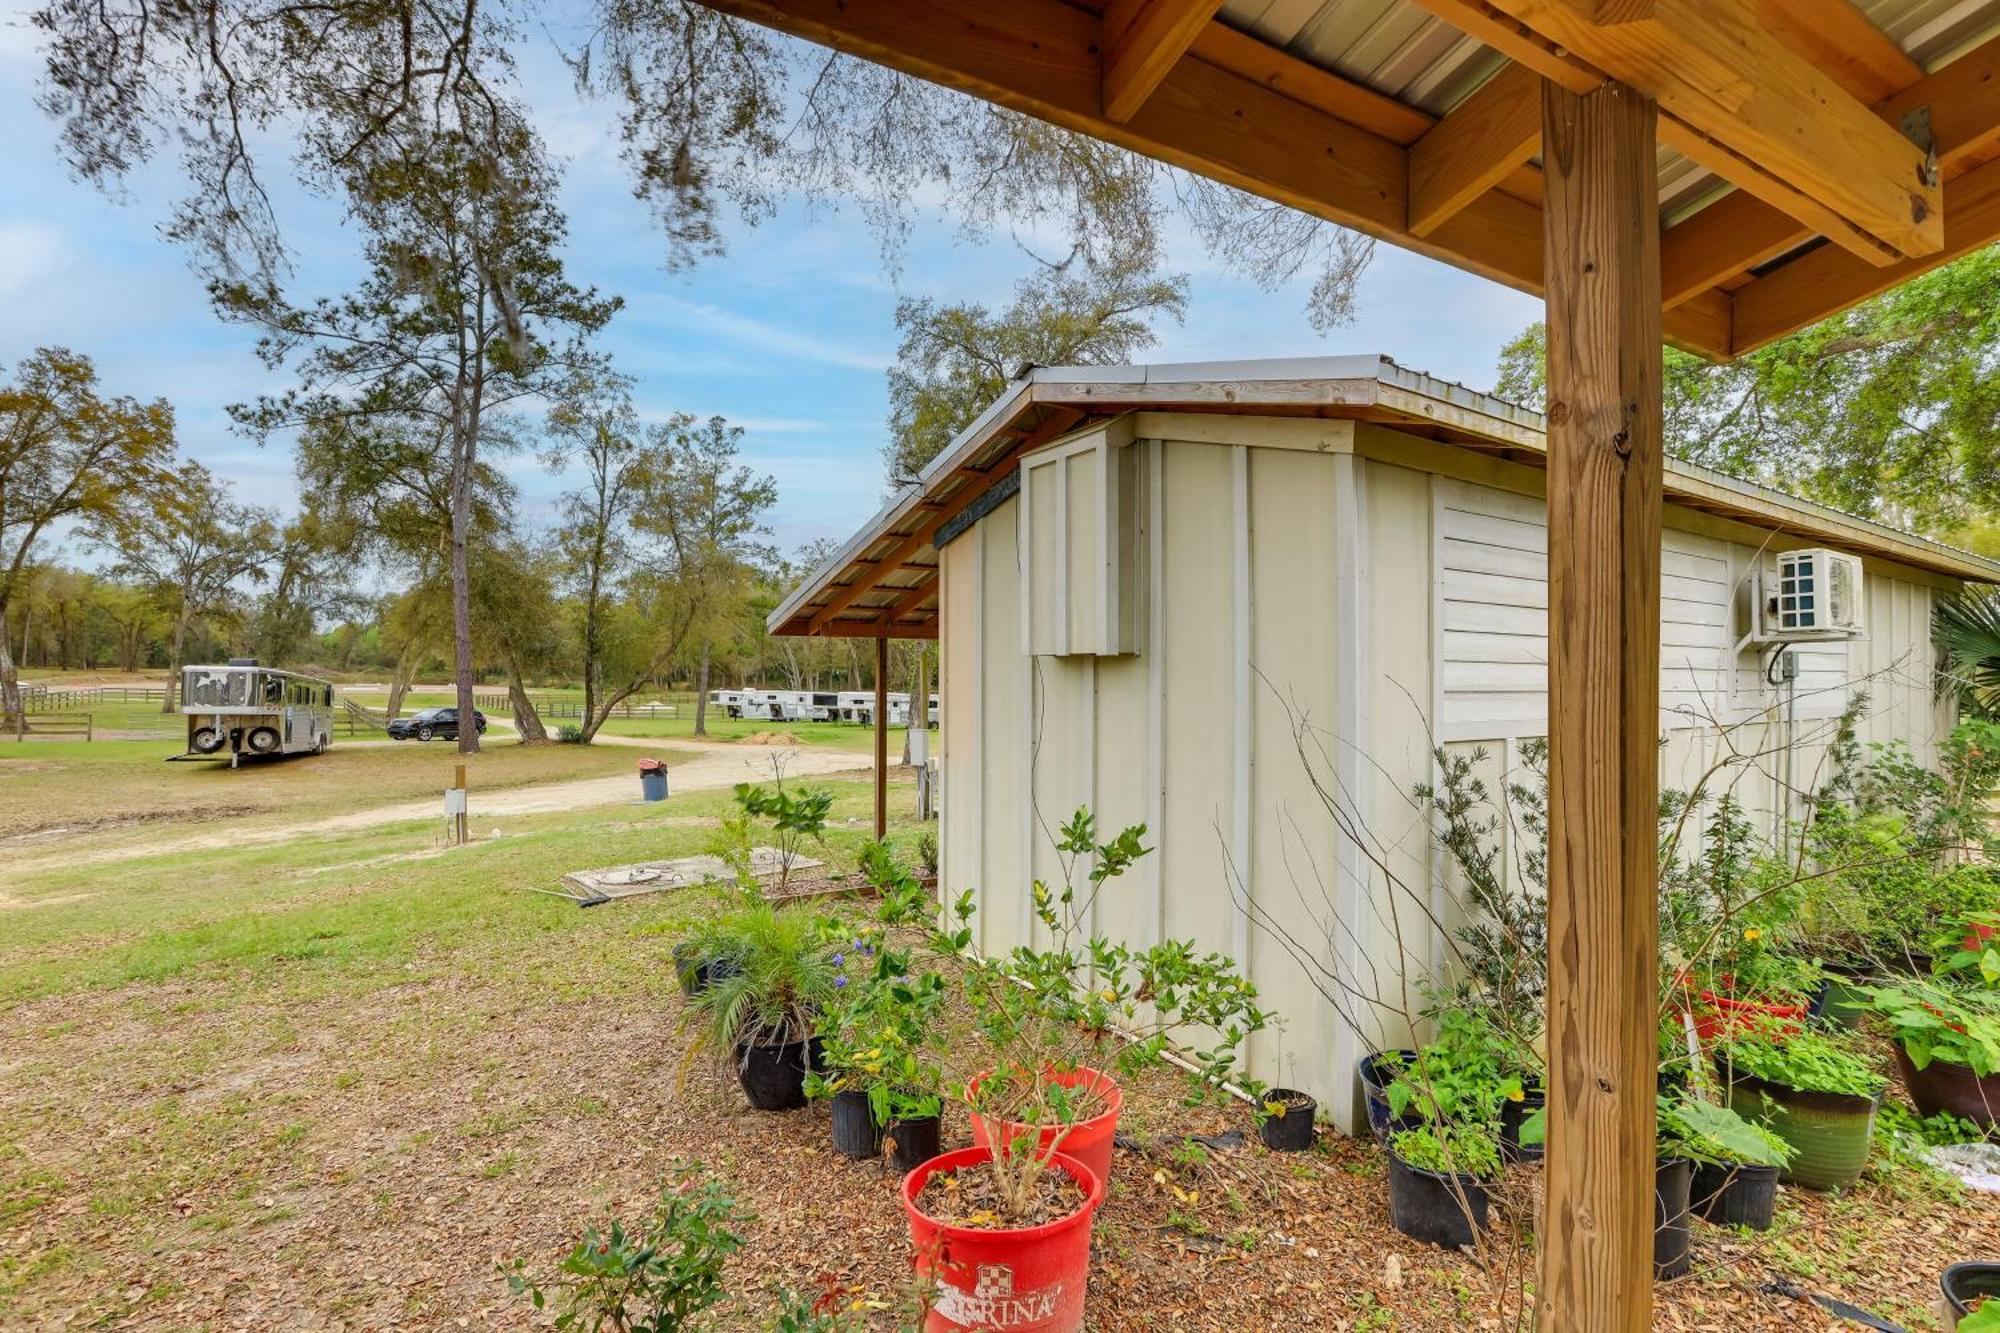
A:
x,y
1089,1141
1025,1280
1718,1016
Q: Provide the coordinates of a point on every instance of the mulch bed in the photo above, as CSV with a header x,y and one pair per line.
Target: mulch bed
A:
x,y
182,1156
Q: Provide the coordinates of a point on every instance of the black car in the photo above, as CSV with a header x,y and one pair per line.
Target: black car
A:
x,y
432,723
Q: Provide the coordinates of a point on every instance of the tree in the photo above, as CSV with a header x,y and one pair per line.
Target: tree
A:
x,y
67,455
1891,409
955,359
193,546
622,466
464,309
698,539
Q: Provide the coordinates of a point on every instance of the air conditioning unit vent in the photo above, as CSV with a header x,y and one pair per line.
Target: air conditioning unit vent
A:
x,y
1816,595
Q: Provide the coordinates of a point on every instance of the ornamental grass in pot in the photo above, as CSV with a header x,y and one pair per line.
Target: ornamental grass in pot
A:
x,y
1814,1091
762,1017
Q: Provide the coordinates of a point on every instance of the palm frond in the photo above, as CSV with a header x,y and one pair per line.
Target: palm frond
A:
x,y
1967,626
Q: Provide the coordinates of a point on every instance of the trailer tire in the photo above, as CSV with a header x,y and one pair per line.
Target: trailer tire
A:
x,y
206,740
263,740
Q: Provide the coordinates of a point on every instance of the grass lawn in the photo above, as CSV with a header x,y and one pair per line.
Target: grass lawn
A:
x,y
329,1083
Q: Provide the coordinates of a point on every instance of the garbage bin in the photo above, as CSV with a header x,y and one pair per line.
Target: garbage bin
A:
x,y
653,779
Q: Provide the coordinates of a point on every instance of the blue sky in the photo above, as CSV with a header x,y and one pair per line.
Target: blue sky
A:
x,y
788,334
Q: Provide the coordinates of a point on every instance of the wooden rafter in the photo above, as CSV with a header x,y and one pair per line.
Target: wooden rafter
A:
x,y
1055,421
1143,39
1741,102
1040,57
1483,141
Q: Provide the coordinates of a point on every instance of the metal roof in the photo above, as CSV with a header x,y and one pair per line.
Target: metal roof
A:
x,y
883,581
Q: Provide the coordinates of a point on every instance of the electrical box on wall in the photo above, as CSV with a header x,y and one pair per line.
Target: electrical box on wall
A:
x,y
1815,594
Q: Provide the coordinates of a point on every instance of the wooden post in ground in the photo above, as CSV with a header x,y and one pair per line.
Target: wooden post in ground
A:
x,y
1601,239
881,738
461,825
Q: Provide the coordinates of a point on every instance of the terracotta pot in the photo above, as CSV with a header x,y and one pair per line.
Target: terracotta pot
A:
x,y
1943,1086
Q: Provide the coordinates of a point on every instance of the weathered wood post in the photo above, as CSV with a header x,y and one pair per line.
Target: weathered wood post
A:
x,y
1601,246
881,737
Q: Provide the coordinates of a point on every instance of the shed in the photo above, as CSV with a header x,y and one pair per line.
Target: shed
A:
x,y
1242,602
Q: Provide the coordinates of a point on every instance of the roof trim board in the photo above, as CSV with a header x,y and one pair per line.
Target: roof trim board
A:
x,y
1049,402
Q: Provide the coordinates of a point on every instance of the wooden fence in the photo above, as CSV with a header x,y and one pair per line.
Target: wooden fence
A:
x,y
55,724
44,699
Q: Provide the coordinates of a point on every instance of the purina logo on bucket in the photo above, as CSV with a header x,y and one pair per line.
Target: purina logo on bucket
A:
x,y
993,1302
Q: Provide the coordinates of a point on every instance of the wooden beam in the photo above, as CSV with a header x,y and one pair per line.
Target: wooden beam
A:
x,y
1054,421
1143,39
1829,280
1478,145
1740,231
1322,89
910,601
1604,492
1040,57
1739,101
881,738
1841,41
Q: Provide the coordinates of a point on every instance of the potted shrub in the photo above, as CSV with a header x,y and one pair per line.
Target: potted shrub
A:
x,y
1438,1178
1947,1046
878,1056
1814,1092
1473,1071
1061,1016
1285,1118
1735,1161
1376,1072
707,954
763,1015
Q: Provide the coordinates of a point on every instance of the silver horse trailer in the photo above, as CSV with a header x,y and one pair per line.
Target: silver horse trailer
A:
x,y
243,708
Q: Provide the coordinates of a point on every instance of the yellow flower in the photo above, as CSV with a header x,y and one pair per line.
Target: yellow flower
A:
x,y
1109,996
1516,1095
1753,934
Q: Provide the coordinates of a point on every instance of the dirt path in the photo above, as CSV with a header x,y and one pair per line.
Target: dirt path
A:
x,y
713,765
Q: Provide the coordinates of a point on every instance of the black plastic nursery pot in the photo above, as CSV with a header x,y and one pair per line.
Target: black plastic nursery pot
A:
x,y
913,1142
1673,1234
697,972
1830,1132
855,1133
773,1077
1438,1209
1291,1131
1512,1115
1376,1072
1736,1195
1963,1284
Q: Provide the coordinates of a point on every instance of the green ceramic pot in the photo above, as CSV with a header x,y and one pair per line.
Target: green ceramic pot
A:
x,y
1830,1132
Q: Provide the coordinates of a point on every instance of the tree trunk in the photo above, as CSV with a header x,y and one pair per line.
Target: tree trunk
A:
x,y
10,679
399,682
527,718
170,698
461,601
701,694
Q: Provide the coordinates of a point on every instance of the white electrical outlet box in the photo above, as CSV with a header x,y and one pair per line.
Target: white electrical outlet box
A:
x,y
1816,595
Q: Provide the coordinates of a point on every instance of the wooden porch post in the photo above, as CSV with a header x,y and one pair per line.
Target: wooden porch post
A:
x,y
1601,243
881,738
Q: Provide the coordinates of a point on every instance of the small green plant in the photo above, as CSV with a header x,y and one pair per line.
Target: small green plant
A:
x,y
569,733
1806,1061
784,976
1448,1150
1933,1020
882,1036
1702,1131
796,817
927,855
1986,1319
651,1279
1465,1073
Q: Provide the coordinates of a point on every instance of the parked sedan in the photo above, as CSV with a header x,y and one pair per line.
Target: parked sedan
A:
x,y
432,723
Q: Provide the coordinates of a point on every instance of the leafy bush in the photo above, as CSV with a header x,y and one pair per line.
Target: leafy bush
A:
x,y
796,819
1805,1061
1448,1150
1464,1074
653,1279
1957,1024
1505,944
569,733
1702,1131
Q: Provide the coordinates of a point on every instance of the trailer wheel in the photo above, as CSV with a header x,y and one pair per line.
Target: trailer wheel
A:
x,y
264,740
206,740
